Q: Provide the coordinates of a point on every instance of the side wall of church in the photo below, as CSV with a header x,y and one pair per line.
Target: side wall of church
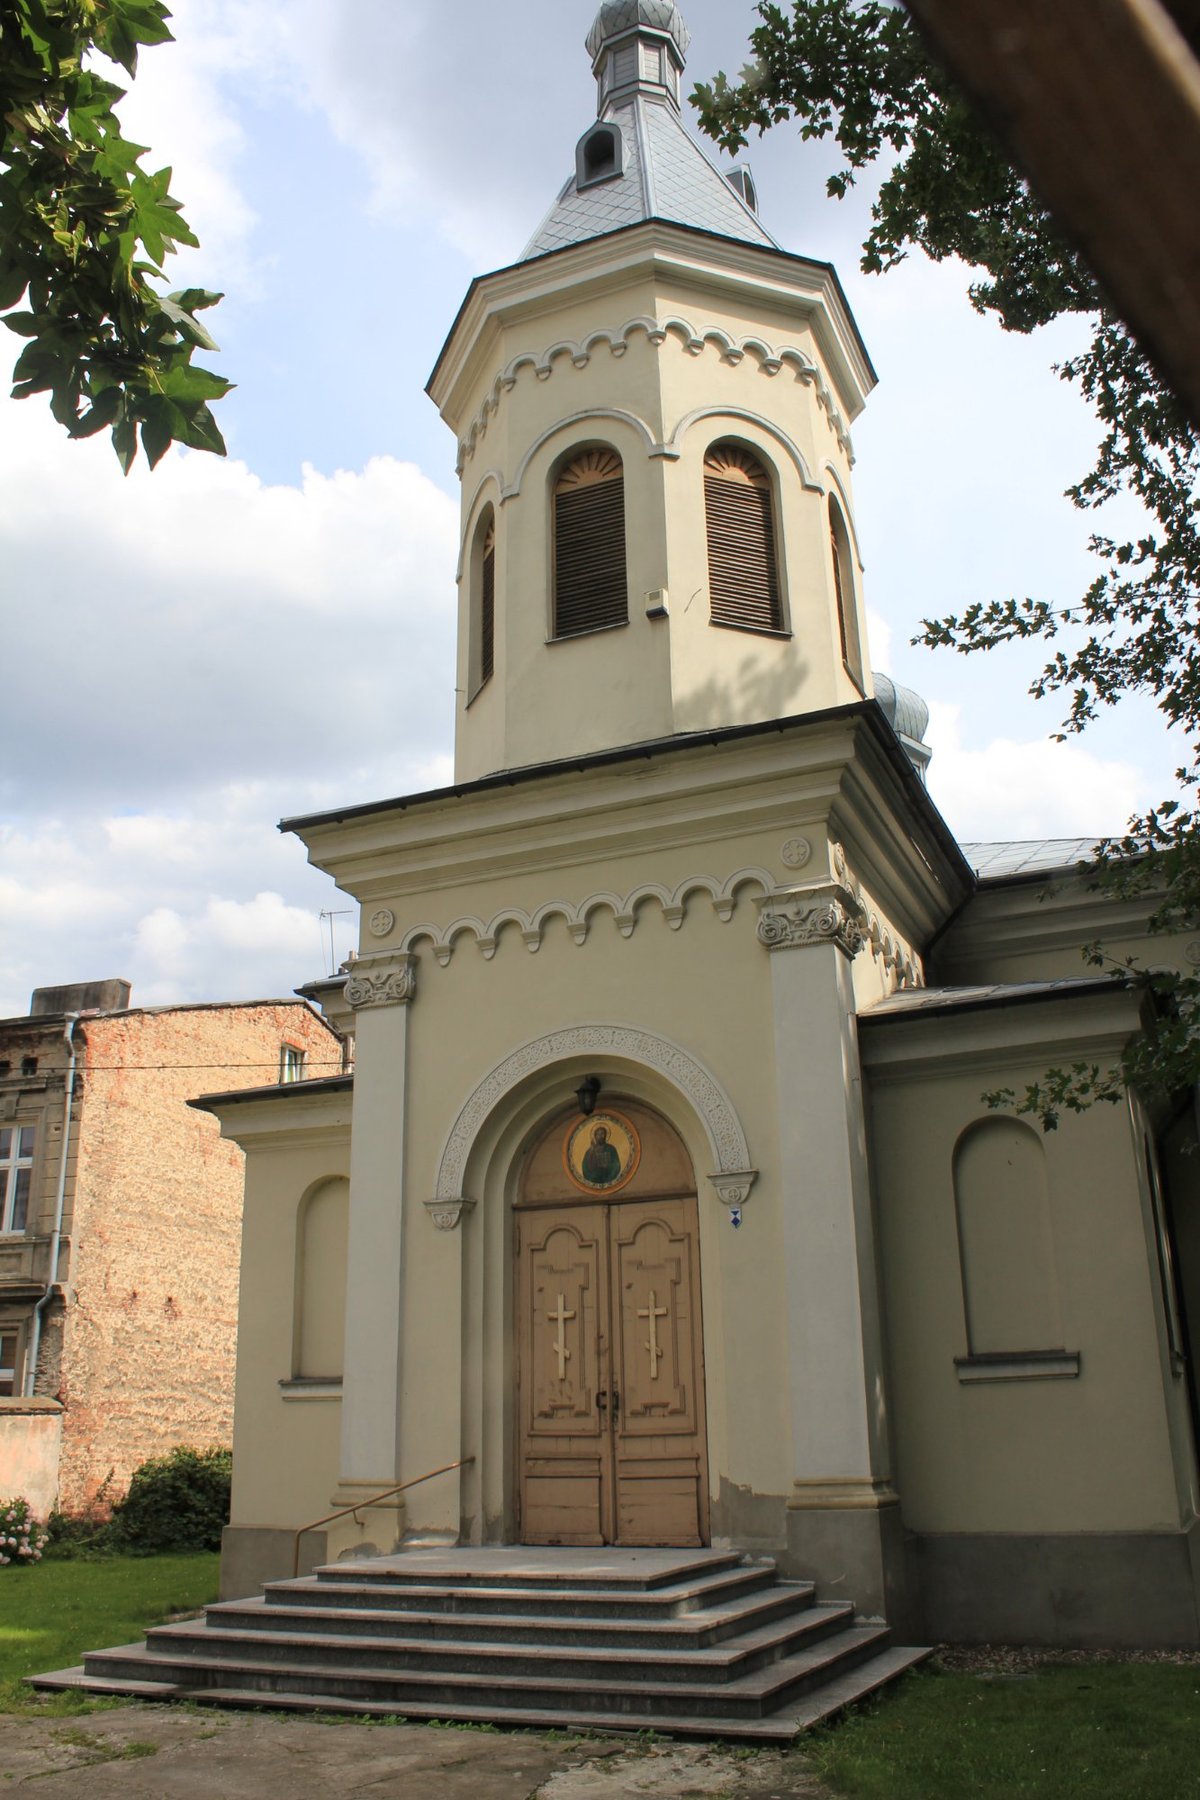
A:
x,y
1043,1445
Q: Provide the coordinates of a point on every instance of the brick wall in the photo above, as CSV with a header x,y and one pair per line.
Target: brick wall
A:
x,y
147,1358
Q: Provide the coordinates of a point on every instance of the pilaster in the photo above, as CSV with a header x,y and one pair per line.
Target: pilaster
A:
x,y
841,1494
380,988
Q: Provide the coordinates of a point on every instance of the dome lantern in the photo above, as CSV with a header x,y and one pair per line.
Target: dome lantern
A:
x,y
637,46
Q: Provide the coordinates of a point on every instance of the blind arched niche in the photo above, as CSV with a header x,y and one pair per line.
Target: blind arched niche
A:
x,y
1006,1250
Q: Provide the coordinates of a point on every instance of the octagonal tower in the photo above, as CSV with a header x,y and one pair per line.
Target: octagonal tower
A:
x,y
653,409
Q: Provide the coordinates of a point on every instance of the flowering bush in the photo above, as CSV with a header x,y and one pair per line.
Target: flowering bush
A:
x,y
22,1539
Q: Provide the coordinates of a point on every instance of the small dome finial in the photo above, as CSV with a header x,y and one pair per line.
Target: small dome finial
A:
x,y
616,17
638,45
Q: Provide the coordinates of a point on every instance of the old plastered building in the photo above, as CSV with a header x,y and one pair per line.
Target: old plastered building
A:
x,y
120,1227
665,1200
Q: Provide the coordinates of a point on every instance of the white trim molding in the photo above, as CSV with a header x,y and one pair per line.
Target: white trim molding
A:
x,y
712,1105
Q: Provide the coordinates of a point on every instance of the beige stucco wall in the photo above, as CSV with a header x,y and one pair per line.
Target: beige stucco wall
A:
x,y
285,1437
1098,1452
30,1437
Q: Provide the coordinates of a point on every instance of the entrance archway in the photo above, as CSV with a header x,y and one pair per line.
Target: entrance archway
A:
x,y
611,1437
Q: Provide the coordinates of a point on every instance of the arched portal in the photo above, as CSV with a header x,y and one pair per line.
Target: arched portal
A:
x,y
611,1436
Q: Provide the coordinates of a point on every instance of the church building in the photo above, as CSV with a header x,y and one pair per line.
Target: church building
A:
x,y
663,1208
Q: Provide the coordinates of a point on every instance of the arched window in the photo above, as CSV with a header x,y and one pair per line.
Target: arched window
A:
x,y
739,511
843,588
590,586
482,639
487,604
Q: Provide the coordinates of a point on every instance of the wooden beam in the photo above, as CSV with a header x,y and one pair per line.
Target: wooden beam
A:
x,y
1098,102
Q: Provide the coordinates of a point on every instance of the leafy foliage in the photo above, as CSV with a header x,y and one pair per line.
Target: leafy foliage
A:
x,y
859,70
175,1502
84,233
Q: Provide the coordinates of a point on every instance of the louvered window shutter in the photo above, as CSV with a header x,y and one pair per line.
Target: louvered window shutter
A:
x,y
487,607
743,575
839,588
590,587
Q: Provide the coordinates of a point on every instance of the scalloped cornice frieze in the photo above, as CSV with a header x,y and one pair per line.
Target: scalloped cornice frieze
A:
x,y
771,362
578,917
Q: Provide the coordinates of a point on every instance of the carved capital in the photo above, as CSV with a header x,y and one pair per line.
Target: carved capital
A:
x,y
381,981
807,916
447,1212
732,1188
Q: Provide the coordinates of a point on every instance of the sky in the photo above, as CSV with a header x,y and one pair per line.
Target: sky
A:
x,y
194,653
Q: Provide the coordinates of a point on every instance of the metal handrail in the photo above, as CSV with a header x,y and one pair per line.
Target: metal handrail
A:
x,y
400,1488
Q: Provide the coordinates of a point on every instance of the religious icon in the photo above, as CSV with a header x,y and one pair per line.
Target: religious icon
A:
x,y
601,1153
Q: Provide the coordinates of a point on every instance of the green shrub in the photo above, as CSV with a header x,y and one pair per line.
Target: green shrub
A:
x,y
22,1539
175,1502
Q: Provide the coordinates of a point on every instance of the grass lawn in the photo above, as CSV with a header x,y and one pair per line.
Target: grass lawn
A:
x,y
51,1613
1080,1731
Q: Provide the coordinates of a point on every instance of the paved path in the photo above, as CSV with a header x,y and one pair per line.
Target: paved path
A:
x,y
185,1753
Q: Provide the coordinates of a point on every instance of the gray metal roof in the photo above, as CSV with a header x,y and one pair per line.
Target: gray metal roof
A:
x,y
909,1001
617,16
666,176
1029,856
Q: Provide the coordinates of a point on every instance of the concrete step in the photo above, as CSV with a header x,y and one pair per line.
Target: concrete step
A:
x,y
348,1589
545,1569
695,1629
494,1661
752,1695
695,1642
780,1727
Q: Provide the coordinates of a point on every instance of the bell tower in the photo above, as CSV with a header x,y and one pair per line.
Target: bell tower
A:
x,y
653,411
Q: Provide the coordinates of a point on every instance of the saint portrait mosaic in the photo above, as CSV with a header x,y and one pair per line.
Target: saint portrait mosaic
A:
x,y
601,1153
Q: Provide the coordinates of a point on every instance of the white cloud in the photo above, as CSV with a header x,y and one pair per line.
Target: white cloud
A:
x,y
1010,789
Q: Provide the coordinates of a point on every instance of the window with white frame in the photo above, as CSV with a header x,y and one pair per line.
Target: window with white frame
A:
x,y
16,1175
8,1361
291,1062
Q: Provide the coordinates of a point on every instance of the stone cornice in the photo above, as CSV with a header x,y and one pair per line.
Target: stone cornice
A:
x,y
690,792
758,275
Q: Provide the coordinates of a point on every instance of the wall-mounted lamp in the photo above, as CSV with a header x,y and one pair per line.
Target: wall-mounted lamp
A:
x,y
586,1093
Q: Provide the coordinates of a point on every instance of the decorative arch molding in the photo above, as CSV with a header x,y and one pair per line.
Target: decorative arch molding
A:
x,y
699,1086
578,915
491,479
571,423
731,350
847,513
743,415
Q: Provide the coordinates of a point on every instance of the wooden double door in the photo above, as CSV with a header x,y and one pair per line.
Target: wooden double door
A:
x,y
612,1443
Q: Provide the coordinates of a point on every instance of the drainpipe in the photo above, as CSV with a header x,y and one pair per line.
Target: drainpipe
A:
x,y
35,1341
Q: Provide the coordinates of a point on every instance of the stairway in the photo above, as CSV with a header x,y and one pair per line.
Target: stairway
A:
x,y
699,1643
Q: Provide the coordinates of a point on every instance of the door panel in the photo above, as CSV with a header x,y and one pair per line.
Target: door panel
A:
x,y
566,1451
611,1385
659,1463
